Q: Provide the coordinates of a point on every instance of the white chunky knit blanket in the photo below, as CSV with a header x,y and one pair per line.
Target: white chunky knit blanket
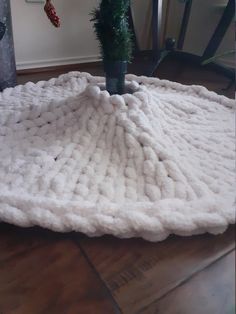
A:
x,y
158,162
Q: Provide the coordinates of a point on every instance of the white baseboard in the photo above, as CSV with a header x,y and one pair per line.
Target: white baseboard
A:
x,y
81,59
55,62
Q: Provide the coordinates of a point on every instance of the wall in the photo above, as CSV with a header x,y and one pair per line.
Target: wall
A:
x,y
39,44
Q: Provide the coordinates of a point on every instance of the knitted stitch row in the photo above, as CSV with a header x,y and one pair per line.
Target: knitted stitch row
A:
x,y
157,162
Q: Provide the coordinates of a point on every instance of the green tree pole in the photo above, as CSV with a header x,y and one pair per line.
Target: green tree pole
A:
x,y
112,30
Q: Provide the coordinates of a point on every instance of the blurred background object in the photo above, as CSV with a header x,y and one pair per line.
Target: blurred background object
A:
x,y
7,56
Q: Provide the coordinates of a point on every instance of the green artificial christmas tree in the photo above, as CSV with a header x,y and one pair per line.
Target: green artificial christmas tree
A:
x,y
112,30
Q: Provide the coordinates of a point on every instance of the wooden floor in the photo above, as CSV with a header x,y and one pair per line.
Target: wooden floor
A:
x,y
42,272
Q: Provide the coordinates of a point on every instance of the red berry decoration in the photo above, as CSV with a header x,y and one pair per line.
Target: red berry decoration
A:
x,y
51,13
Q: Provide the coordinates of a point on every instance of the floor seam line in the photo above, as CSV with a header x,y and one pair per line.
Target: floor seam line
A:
x,y
77,242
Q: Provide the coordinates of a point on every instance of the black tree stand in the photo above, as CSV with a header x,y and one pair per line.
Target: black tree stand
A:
x,y
156,55
7,56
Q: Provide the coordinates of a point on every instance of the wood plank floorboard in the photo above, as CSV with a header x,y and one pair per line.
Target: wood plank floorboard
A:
x,y
42,272
184,73
52,278
139,272
210,291
15,240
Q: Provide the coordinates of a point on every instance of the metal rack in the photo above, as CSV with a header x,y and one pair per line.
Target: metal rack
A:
x,y
158,53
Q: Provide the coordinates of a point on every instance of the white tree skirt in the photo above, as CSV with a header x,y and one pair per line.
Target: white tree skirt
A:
x,y
158,162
